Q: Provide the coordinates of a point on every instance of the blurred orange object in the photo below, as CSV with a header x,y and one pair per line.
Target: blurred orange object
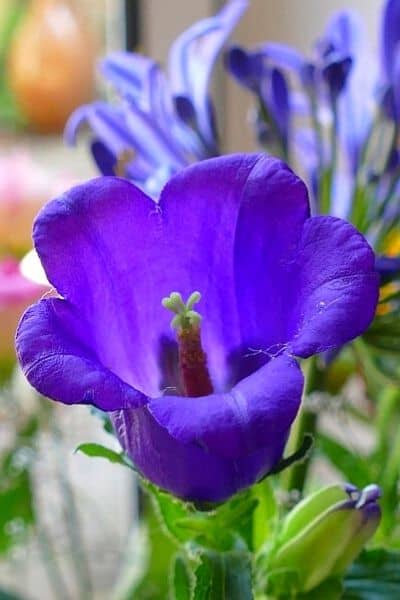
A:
x,y
51,63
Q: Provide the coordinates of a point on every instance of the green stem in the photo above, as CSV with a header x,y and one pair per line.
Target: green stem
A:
x,y
306,423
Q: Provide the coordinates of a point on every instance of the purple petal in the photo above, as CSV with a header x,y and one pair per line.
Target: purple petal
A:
x,y
272,215
390,37
187,470
284,56
226,216
91,244
109,126
336,286
154,140
105,160
336,73
246,67
280,105
193,55
58,361
345,32
257,412
128,72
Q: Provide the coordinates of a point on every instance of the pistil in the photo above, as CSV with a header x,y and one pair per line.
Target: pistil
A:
x,y
192,358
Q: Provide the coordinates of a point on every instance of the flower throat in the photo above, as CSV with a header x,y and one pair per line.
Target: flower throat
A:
x,y
192,358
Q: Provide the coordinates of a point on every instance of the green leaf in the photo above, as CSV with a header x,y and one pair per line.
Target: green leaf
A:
x,y
99,451
384,333
355,468
223,576
265,514
332,589
16,494
181,580
374,576
170,512
225,527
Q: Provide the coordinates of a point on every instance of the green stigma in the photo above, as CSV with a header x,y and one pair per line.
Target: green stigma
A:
x,y
185,317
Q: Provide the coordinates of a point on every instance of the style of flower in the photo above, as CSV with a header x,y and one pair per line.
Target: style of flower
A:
x,y
204,410
162,122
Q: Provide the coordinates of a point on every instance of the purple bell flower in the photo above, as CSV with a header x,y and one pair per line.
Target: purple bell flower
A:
x,y
162,122
206,410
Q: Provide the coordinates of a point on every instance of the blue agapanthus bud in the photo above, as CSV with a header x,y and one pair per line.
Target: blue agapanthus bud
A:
x,y
324,533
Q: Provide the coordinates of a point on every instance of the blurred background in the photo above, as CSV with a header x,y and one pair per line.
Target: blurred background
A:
x,y
67,522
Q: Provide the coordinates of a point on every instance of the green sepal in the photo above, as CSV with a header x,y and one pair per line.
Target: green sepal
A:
x,y
312,507
223,576
181,579
300,455
332,540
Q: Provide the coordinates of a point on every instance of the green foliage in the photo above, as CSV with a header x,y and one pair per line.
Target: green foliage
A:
x,y
384,333
16,494
223,576
353,466
100,451
374,576
181,579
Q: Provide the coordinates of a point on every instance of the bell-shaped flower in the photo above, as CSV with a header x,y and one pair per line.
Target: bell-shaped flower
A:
x,y
163,121
252,281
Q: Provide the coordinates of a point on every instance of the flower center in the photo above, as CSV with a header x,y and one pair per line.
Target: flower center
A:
x,y
192,358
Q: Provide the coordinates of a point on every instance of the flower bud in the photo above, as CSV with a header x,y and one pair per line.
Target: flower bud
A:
x,y
325,532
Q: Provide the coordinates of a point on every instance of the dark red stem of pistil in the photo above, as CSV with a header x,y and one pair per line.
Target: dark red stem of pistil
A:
x,y
193,364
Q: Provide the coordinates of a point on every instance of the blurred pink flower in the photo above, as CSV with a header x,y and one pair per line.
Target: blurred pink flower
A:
x,y
16,293
24,188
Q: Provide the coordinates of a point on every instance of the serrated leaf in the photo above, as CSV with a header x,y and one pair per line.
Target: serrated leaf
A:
x,y
374,576
181,580
223,576
170,511
100,451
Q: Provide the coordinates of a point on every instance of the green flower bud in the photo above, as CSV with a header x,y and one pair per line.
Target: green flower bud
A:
x,y
324,533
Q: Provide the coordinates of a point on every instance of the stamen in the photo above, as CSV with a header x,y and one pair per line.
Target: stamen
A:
x,y
123,161
192,359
